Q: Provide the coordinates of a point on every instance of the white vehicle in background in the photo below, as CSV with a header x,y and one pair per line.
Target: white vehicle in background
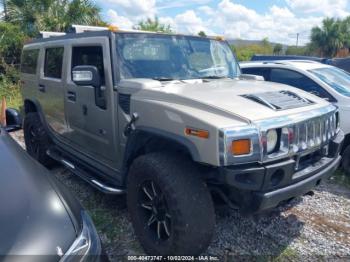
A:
x,y
325,81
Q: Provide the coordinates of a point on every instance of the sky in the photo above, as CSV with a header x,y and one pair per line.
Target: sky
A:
x,y
279,20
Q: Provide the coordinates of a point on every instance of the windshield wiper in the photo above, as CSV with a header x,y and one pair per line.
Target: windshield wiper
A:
x,y
164,79
213,77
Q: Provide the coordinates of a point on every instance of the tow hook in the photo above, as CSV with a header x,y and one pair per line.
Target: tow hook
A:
x,y
130,126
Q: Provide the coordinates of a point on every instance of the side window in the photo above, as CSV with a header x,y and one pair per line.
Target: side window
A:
x,y
29,61
53,62
264,72
89,55
298,80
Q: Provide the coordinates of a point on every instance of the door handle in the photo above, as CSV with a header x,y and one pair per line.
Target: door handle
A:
x,y
71,96
42,88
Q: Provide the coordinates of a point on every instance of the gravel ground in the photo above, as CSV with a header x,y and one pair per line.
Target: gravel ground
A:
x,y
310,228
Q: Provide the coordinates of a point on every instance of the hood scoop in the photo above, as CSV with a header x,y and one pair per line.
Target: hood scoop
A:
x,y
281,100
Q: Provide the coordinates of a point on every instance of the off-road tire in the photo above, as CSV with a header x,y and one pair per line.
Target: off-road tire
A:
x,y
346,161
36,139
188,201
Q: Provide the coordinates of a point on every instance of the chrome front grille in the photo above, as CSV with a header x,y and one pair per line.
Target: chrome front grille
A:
x,y
305,136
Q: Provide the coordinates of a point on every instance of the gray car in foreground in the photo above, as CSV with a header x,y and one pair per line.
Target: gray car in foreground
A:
x,y
39,219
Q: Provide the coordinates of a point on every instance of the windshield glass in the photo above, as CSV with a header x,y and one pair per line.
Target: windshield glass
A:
x,y
168,57
338,79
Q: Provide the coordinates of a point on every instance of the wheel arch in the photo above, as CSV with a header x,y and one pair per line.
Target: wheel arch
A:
x,y
147,140
346,143
31,106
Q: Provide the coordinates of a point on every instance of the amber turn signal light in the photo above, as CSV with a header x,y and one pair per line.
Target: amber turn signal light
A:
x,y
241,147
197,132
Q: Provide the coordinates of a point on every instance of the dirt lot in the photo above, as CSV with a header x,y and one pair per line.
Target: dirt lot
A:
x,y
310,228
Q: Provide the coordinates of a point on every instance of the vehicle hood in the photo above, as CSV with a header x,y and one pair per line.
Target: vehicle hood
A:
x,y
33,218
228,96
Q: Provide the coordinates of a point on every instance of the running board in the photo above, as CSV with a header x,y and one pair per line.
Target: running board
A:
x,y
93,181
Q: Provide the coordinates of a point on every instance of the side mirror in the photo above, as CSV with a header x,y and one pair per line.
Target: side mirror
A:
x,y
90,76
251,77
13,120
86,76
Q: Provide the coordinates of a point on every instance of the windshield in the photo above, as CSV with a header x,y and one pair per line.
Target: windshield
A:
x,y
338,79
168,57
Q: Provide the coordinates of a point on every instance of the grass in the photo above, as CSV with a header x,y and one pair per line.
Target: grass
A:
x,y
12,94
288,254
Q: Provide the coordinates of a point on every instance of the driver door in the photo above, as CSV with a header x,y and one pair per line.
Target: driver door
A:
x,y
90,125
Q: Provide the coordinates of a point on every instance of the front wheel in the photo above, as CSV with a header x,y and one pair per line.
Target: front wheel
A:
x,y
170,205
346,161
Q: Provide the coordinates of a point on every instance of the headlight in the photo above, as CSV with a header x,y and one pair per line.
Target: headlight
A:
x,y
239,145
271,140
87,245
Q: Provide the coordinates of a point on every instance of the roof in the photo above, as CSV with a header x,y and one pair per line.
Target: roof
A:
x,y
285,57
54,36
300,64
70,36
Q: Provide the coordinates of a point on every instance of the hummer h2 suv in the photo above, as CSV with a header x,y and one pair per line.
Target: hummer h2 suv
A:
x,y
170,120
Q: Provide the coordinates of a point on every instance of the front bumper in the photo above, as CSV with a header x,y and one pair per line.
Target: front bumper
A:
x,y
260,187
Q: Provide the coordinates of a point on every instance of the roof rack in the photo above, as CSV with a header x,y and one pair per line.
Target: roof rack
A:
x,y
85,28
46,34
78,29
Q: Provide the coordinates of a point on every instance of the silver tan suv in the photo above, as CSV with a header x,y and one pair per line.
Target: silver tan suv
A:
x,y
171,121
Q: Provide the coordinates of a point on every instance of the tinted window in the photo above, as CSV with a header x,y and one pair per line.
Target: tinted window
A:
x,y
89,55
264,72
298,80
29,61
336,78
53,62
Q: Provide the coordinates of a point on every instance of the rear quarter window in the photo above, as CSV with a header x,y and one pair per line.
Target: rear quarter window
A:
x,y
29,61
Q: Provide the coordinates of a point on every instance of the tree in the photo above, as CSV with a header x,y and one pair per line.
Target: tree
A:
x,y
202,34
328,38
3,15
294,50
11,42
153,25
277,49
345,29
51,15
245,52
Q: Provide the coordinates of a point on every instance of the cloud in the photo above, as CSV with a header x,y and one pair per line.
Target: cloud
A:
x,y
281,12
189,22
228,18
134,8
279,24
325,7
207,10
167,4
121,21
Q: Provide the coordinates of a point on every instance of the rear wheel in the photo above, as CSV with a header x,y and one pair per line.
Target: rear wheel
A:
x,y
170,205
346,160
36,139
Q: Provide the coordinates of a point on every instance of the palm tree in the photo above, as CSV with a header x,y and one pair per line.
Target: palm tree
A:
x,y
329,39
153,25
4,12
52,15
